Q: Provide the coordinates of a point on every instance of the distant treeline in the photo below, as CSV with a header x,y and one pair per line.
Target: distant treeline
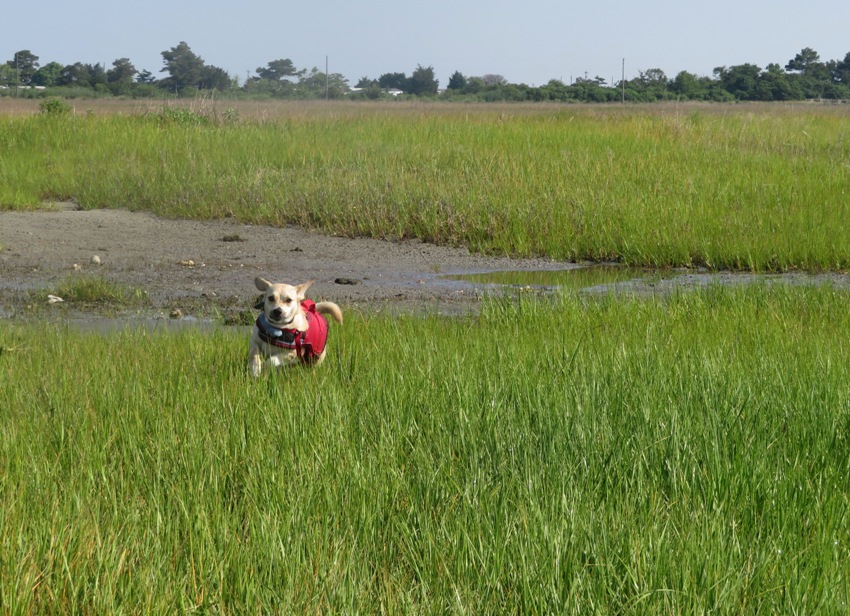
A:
x,y
804,77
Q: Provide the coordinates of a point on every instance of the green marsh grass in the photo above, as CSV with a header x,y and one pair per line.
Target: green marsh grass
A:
x,y
581,456
573,279
741,187
90,289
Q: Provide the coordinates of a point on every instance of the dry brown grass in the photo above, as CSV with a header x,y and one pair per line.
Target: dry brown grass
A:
x,y
10,106
272,109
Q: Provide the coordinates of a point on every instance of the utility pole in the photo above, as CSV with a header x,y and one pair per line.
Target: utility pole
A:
x,y
327,80
623,81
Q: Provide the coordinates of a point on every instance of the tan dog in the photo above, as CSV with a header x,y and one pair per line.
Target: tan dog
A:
x,y
291,329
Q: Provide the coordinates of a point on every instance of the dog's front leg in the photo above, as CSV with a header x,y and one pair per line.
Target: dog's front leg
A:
x,y
255,360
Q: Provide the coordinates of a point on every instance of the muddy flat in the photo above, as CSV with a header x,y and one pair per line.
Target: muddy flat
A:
x,y
209,266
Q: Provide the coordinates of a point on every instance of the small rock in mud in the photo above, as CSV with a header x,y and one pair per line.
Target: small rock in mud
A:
x,y
346,281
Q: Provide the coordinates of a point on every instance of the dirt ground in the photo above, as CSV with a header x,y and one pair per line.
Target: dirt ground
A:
x,y
205,270
202,268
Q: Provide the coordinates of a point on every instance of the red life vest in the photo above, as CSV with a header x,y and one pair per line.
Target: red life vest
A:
x,y
309,344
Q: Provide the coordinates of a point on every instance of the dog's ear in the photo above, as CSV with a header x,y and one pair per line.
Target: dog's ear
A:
x,y
302,289
261,283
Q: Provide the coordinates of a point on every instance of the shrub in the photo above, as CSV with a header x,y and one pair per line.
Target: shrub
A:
x,y
54,106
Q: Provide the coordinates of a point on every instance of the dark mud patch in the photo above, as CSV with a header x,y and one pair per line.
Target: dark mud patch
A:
x,y
200,267
205,270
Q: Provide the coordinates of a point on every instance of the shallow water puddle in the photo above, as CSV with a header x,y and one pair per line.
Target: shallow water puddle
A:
x,y
638,281
109,325
571,278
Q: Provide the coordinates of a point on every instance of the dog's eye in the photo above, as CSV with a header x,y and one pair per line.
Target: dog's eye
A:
x,y
288,300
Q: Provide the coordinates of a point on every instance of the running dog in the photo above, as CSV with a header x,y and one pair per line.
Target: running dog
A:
x,y
291,329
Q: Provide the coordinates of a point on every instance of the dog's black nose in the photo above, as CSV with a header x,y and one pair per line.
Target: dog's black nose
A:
x,y
277,313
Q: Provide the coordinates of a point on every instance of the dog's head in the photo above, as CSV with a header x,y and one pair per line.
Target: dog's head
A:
x,y
281,303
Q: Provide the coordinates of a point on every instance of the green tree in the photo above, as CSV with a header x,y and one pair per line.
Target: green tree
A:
x,y
25,64
368,89
689,86
8,75
774,85
121,73
491,79
474,85
504,92
267,87
803,60
811,76
422,82
48,75
144,76
365,82
278,70
82,75
97,75
841,70
274,79
74,74
457,81
594,91
393,80
184,67
556,90
215,78
740,81
317,84
651,84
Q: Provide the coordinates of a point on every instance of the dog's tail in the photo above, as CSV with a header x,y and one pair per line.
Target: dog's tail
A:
x,y
331,309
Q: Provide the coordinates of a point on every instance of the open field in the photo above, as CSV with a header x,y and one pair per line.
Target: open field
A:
x,y
653,456
728,187
682,452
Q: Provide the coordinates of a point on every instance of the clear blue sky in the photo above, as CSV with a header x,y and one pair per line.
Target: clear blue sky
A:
x,y
528,41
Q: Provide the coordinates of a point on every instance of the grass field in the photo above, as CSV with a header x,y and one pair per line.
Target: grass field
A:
x,y
678,455
619,455
749,187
